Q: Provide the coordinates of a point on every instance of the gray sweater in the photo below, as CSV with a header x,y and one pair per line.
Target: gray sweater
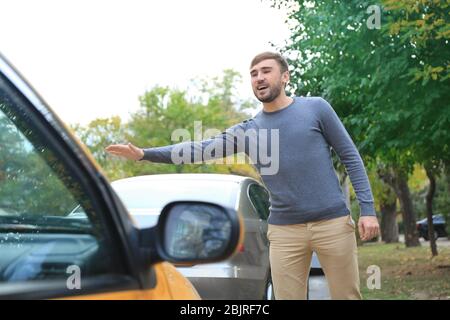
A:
x,y
291,149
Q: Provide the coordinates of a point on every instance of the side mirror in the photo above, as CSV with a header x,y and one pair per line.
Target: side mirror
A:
x,y
194,232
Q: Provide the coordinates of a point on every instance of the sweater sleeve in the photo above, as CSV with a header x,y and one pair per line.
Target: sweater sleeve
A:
x,y
339,139
219,146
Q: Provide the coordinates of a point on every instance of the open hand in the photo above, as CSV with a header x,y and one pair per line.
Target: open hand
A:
x,y
127,151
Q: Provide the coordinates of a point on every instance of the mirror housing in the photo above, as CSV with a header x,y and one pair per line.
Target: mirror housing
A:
x,y
191,232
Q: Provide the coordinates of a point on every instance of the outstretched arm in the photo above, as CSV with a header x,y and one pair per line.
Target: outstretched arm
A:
x,y
217,147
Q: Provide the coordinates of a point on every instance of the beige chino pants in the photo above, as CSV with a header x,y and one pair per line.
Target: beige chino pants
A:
x,y
291,248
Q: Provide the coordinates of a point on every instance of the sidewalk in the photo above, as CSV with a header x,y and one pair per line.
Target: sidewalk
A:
x,y
440,242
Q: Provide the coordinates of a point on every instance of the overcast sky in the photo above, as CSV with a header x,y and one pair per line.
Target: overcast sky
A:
x,y
91,59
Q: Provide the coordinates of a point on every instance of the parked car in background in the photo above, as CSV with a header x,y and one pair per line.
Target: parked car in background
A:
x,y
439,225
97,253
245,275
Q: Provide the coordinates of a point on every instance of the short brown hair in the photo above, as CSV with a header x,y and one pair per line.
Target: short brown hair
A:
x,y
271,55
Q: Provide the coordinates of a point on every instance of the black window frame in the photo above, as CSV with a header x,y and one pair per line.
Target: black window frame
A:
x,y
257,185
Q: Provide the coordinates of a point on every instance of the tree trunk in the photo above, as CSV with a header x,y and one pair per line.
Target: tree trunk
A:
x,y
398,181
447,175
389,226
409,216
430,196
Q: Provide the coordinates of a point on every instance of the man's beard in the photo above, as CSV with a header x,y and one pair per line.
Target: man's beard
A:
x,y
274,92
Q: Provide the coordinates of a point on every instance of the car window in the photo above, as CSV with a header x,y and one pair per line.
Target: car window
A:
x,y
260,199
38,238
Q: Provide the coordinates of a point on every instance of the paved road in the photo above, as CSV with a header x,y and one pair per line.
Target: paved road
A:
x,y
441,242
318,288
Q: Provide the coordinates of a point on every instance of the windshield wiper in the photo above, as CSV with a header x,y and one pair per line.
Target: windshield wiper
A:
x,y
50,224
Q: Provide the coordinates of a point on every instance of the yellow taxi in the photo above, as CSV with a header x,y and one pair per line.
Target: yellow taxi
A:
x,y
50,251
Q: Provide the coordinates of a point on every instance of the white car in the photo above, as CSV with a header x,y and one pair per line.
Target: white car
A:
x,y
245,275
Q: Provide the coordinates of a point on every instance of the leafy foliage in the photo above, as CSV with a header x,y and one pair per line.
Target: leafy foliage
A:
x,y
211,104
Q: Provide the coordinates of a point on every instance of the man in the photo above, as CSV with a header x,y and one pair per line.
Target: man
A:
x,y
308,210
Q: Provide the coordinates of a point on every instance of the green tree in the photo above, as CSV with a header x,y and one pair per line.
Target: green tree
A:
x,y
100,133
371,78
212,103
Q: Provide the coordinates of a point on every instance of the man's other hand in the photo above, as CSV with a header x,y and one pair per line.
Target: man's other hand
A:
x,y
127,151
368,227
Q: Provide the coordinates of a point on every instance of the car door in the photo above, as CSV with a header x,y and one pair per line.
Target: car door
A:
x,y
258,208
44,252
259,197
